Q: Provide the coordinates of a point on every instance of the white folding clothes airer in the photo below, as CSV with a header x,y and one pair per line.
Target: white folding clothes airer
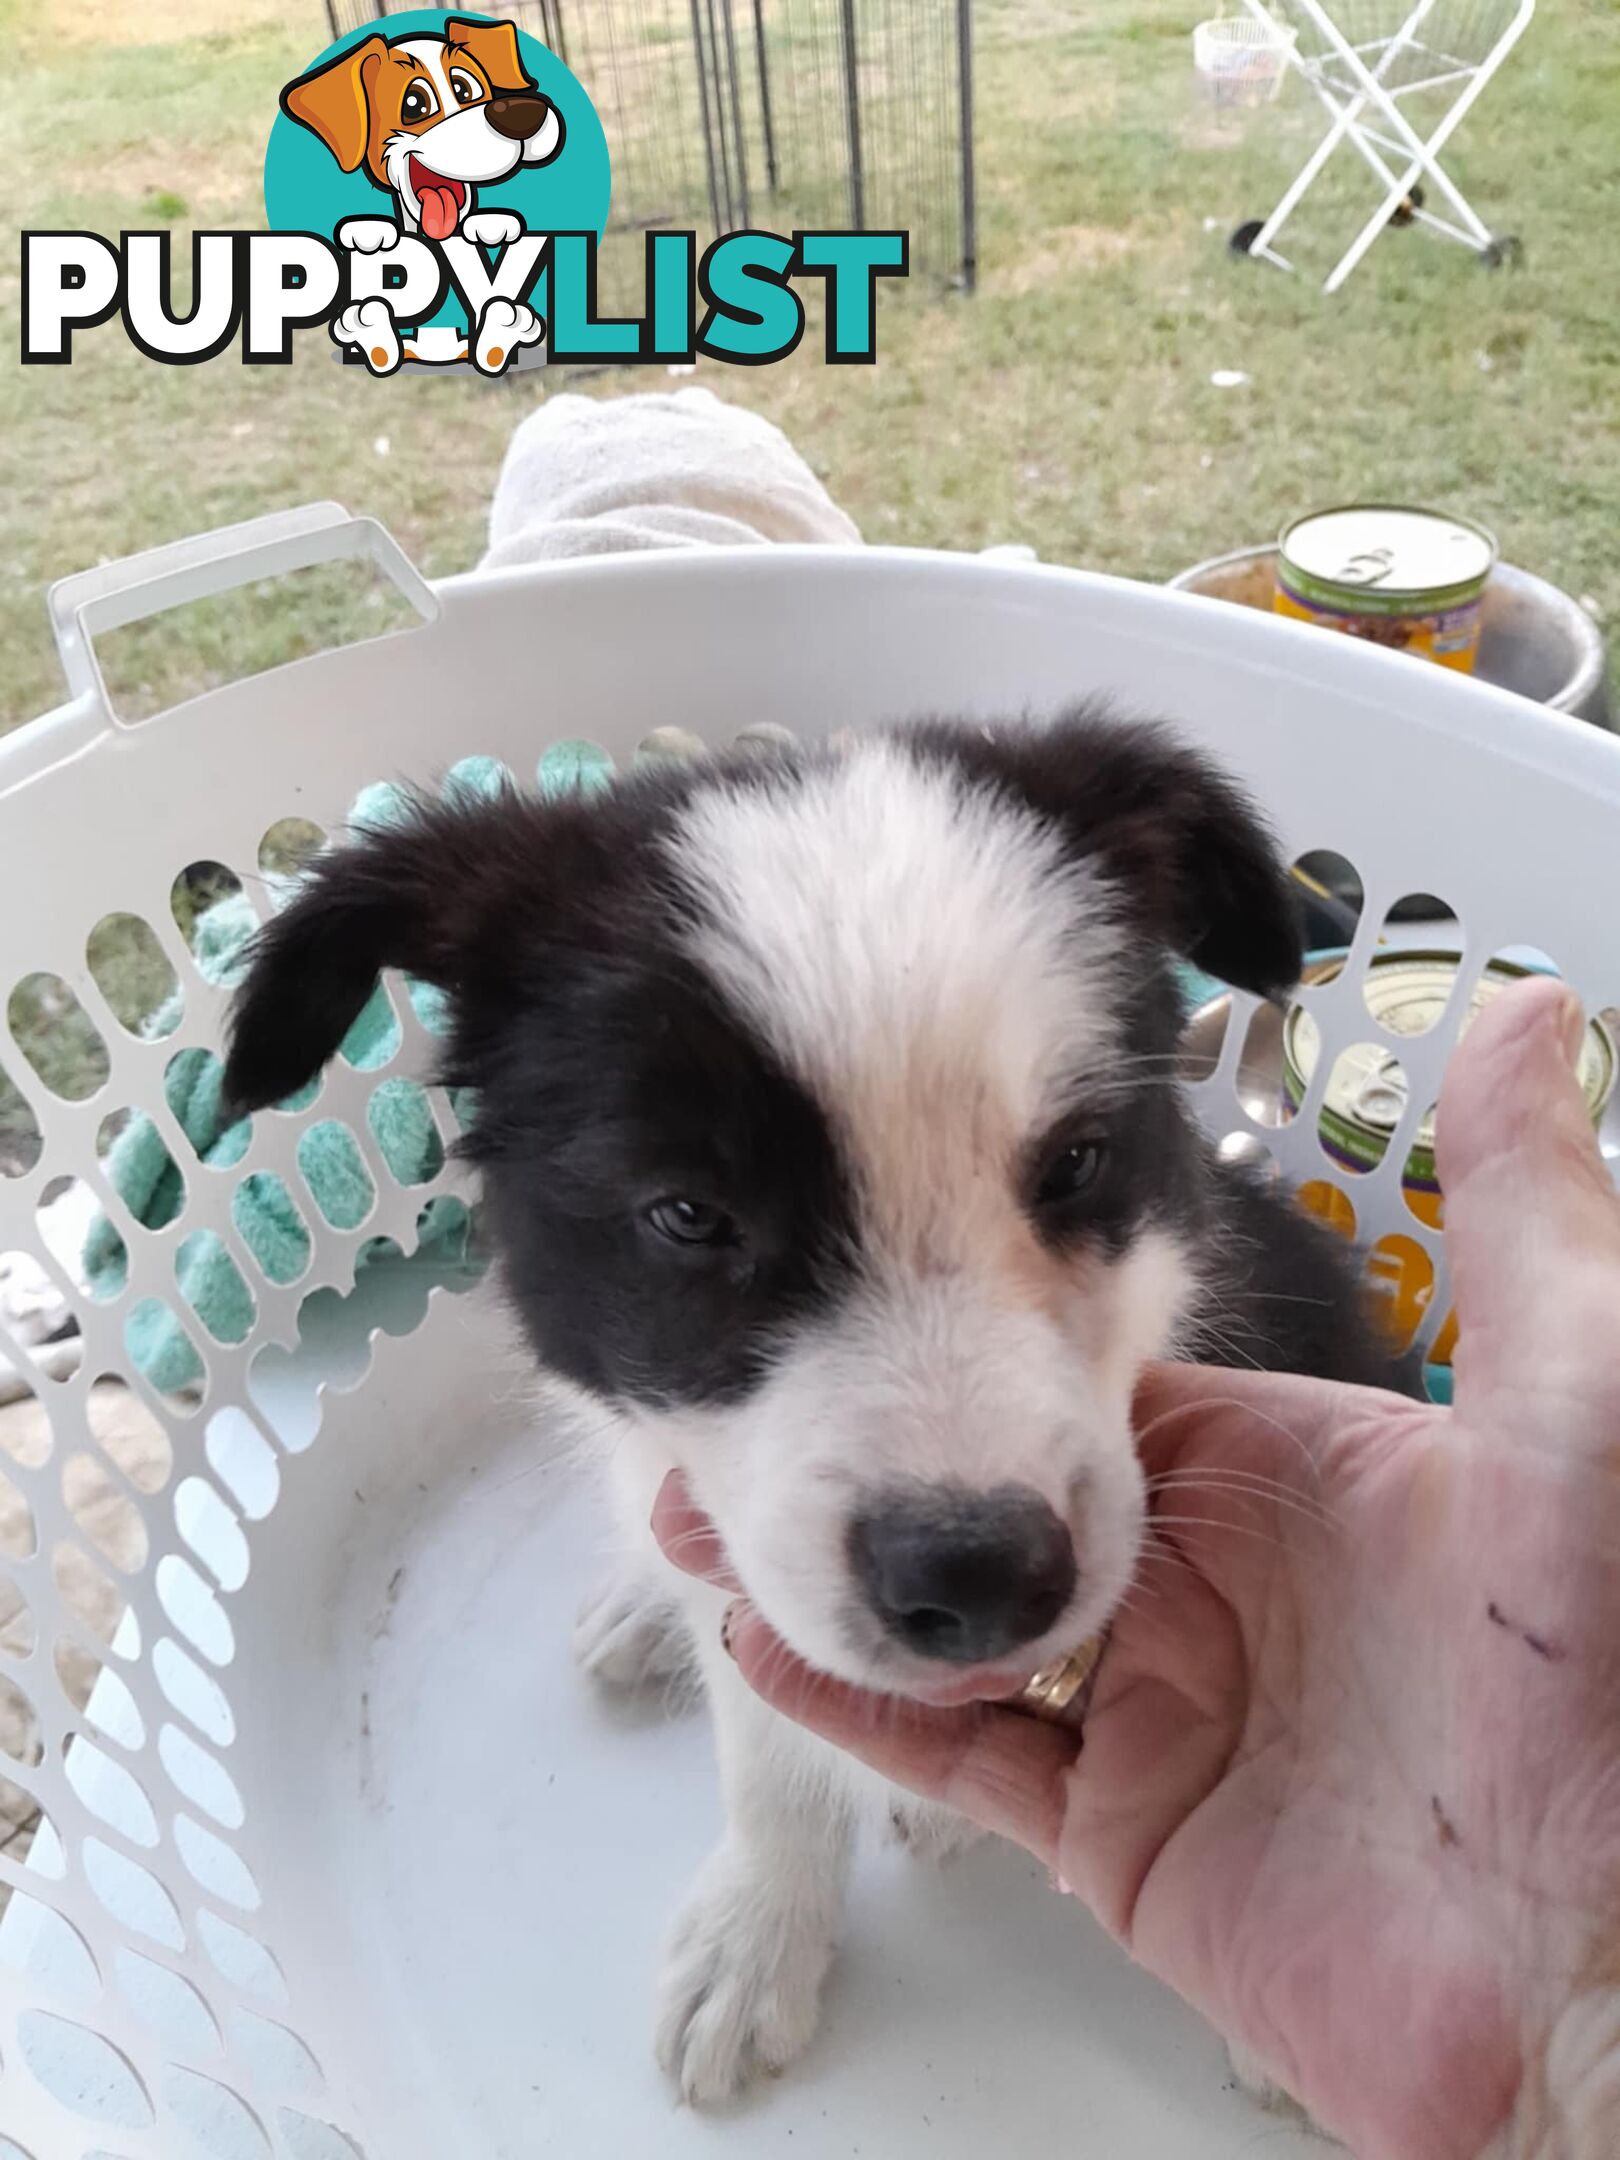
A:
x,y
1369,61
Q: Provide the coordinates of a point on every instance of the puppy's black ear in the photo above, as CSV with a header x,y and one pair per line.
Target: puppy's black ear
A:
x,y
415,895
1184,842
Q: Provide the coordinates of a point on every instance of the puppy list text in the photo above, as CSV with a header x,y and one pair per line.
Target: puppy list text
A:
x,y
738,302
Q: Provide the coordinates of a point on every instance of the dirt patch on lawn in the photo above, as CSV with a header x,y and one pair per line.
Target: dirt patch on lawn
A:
x,y
1070,248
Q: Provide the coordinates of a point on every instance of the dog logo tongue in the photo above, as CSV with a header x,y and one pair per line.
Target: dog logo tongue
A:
x,y
438,212
440,200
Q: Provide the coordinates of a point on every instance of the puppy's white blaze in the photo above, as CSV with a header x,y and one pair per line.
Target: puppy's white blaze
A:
x,y
923,957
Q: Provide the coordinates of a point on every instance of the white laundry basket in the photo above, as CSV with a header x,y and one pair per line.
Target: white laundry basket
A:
x,y
1241,60
338,1857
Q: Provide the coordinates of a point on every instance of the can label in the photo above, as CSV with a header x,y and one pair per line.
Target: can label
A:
x,y
1413,580
1448,636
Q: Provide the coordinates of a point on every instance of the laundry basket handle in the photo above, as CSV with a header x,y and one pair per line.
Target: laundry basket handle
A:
x,y
117,593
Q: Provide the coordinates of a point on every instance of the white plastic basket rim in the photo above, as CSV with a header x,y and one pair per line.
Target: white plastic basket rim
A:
x,y
272,1551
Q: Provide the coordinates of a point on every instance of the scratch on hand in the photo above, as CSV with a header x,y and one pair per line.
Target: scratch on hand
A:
x,y
1550,1651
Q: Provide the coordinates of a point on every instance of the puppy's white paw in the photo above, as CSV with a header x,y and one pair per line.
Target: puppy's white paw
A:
x,y
740,1994
368,326
504,326
367,235
631,1635
930,1832
492,228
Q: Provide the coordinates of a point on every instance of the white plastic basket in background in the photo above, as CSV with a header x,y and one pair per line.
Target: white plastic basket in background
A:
x,y
339,1856
1241,60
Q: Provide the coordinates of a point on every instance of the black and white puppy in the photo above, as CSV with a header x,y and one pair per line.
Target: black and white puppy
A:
x,y
832,1148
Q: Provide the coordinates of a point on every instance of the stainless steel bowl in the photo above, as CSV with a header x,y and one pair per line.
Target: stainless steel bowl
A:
x,y
1534,638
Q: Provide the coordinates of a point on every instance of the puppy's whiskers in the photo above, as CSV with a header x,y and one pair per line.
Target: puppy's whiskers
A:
x,y
1245,1485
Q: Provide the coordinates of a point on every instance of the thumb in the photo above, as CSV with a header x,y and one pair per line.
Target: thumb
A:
x,y
1532,1220
1003,1771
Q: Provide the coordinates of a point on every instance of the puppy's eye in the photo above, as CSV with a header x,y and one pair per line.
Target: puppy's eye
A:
x,y
418,102
1072,1174
468,92
692,1222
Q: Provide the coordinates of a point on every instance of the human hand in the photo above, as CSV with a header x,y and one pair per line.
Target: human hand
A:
x,y
1351,1771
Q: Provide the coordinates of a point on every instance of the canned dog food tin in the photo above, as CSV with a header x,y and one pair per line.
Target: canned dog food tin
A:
x,y
1406,993
1410,579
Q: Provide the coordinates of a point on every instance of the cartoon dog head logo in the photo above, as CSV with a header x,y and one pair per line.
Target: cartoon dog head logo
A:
x,y
430,118
442,151
437,185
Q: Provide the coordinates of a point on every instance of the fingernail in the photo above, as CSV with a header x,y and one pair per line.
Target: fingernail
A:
x,y
727,1618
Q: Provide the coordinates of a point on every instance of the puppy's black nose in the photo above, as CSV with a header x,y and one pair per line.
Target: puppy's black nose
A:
x,y
963,1576
517,115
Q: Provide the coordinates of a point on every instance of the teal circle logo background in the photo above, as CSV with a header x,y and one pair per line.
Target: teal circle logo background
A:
x,y
305,190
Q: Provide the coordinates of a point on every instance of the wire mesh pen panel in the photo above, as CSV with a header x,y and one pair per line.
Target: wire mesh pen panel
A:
x,y
867,120
721,114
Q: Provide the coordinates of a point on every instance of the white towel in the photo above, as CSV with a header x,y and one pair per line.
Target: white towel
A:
x,y
590,476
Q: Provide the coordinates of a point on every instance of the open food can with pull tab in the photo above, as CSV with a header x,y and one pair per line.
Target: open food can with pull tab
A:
x,y
1410,579
1366,1095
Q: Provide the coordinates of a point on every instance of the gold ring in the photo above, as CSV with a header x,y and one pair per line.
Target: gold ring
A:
x,y
1059,1692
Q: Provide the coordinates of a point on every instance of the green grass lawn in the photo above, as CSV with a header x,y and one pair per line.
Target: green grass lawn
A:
x,y
1068,404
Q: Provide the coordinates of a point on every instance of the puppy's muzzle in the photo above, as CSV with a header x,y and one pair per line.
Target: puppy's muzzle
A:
x,y
518,115
961,1576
